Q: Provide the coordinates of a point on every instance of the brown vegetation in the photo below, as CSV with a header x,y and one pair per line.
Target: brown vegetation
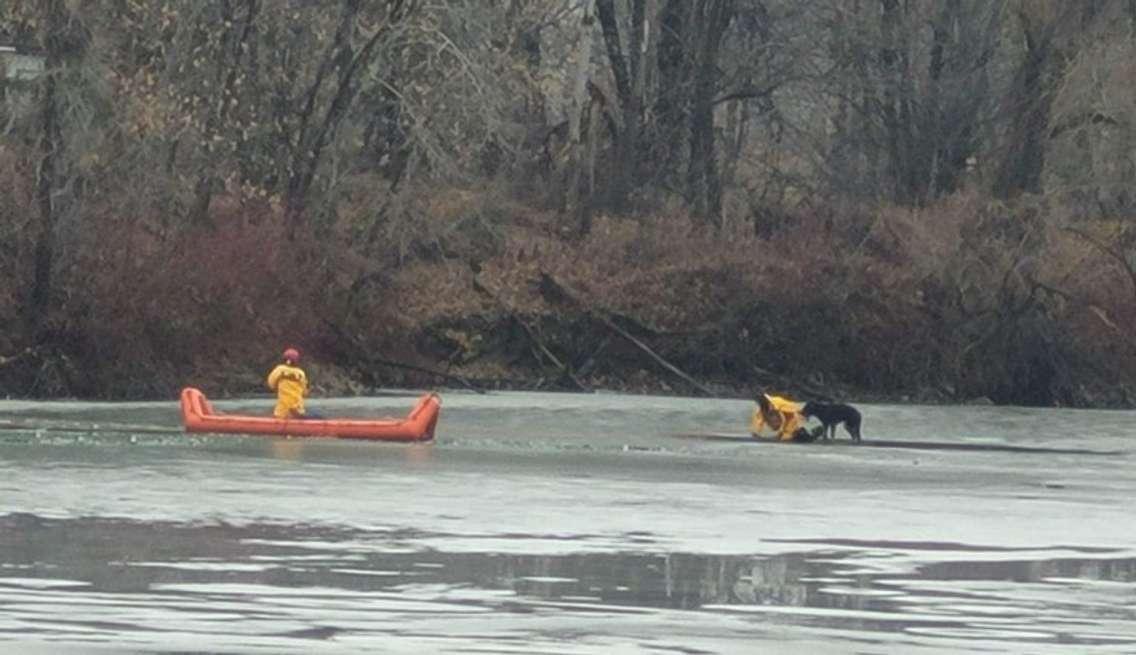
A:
x,y
965,299
916,200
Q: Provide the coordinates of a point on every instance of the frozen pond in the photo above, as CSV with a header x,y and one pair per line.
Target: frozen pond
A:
x,y
558,523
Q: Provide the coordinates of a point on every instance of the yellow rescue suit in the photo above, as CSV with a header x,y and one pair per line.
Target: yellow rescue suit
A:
x,y
291,385
784,419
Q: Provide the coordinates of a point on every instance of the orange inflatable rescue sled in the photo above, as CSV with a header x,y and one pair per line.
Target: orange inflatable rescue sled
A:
x,y
197,415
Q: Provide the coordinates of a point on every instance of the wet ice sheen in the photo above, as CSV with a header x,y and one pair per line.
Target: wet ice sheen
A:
x,y
559,523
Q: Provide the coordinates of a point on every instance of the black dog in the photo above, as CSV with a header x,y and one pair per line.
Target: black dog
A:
x,y
832,415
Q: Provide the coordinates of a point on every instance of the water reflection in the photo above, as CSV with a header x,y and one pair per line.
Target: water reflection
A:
x,y
323,572
287,449
306,449
123,556
1109,570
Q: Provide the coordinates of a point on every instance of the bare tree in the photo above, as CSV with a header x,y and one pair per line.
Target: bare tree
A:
x,y
235,43
1051,33
578,203
59,34
913,86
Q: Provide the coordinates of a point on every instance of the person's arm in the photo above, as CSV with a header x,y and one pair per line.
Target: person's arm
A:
x,y
274,378
790,422
756,422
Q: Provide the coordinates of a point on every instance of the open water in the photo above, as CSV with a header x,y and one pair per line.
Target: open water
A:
x,y
549,523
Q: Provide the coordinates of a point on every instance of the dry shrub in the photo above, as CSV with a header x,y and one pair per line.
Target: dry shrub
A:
x,y
427,241
147,315
896,301
947,297
1092,289
668,271
1003,299
799,299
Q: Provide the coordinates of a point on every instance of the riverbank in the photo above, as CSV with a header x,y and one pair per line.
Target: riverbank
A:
x,y
955,304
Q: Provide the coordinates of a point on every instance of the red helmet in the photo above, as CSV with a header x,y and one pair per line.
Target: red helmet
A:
x,y
292,355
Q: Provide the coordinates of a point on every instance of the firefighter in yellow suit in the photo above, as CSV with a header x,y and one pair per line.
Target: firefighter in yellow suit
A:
x,y
290,383
781,417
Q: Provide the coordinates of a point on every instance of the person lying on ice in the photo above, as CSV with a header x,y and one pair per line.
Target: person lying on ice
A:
x,y
779,417
290,383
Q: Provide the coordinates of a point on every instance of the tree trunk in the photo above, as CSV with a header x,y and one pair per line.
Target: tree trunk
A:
x,y
1020,170
577,201
704,186
674,72
627,72
237,47
343,65
893,68
51,152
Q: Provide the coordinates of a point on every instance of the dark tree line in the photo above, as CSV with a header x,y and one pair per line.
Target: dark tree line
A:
x,y
894,100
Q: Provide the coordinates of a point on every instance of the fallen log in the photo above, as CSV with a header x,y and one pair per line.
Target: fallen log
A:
x,y
361,353
390,363
537,342
557,292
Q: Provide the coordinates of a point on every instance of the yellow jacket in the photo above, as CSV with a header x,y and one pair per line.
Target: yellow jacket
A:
x,y
784,422
291,385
